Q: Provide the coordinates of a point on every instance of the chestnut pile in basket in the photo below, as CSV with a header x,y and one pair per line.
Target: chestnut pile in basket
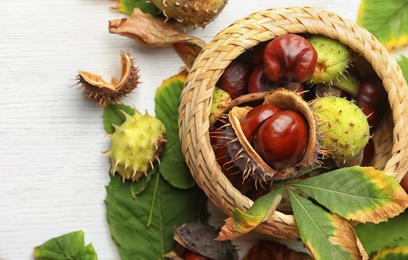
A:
x,y
291,98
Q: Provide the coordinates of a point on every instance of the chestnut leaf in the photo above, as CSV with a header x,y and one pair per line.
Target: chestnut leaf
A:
x,y
357,193
143,226
326,235
173,167
387,20
112,115
241,223
127,7
139,186
393,253
390,234
403,63
68,246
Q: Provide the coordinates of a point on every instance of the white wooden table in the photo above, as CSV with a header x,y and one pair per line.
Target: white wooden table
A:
x,y
52,169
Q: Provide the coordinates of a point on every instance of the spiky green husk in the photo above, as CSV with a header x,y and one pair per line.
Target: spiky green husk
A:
x,y
348,83
343,127
333,58
136,145
220,102
191,13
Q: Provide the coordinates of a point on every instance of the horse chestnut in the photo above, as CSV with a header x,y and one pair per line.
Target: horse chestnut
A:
x,y
282,139
289,58
234,79
368,153
255,118
372,99
258,81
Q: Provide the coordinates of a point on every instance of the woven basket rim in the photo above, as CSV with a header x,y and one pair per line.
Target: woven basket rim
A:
x,y
244,34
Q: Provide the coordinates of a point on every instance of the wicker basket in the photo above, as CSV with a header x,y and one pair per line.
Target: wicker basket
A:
x,y
391,138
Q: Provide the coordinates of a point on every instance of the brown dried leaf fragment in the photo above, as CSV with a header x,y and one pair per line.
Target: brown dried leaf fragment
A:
x,y
155,32
104,92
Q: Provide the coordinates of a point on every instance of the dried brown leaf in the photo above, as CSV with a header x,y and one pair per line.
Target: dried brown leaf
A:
x,y
155,32
342,238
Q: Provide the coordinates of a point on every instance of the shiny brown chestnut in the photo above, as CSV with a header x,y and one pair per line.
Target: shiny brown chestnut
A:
x,y
243,153
255,117
372,99
289,58
234,79
258,81
282,139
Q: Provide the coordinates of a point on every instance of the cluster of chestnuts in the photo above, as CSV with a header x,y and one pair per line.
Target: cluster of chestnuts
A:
x,y
298,105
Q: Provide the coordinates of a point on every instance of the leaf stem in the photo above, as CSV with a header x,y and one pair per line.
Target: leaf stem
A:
x,y
149,222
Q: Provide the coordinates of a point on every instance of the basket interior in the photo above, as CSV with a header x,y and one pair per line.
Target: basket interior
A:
x,y
390,137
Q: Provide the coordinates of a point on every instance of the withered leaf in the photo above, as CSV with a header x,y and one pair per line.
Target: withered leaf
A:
x,y
155,32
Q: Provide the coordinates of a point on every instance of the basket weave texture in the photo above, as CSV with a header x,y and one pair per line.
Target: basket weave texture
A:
x,y
391,138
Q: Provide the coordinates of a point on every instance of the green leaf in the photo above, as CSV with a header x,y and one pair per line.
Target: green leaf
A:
x,y
143,226
357,193
390,234
387,20
140,185
173,166
127,6
395,253
403,63
241,223
113,115
326,235
70,246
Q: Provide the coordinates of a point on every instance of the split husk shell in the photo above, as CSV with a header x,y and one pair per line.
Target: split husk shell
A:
x,y
245,156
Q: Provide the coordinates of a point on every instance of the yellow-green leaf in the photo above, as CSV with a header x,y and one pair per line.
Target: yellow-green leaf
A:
x,y
387,20
127,6
241,223
326,235
403,63
391,233
173,167
394,253
357,193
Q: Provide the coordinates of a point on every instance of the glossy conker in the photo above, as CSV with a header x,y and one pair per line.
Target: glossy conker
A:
x,y
282,139
289,58
258,81
372,99
234,79
368,153
255,118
